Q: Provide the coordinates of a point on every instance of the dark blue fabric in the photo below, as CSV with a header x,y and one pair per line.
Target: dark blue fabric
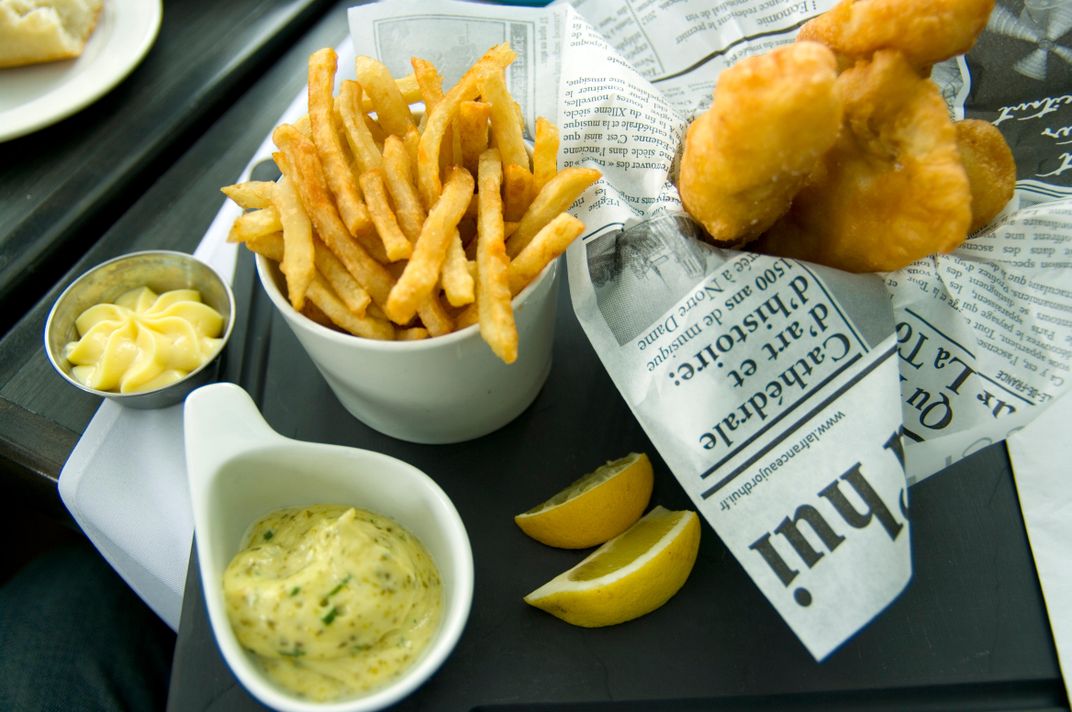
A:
x,y
73,636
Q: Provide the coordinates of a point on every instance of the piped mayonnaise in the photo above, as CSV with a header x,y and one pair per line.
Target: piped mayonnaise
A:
x,y
332,601
144,341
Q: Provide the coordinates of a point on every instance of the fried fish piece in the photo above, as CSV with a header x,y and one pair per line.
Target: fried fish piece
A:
x,y
990,166
892,189
926,31
772,119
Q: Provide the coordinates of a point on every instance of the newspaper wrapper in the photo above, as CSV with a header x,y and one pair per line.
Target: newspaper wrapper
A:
x,y
795,404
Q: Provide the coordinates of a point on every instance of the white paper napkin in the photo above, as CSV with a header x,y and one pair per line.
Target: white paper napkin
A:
x,y
125,485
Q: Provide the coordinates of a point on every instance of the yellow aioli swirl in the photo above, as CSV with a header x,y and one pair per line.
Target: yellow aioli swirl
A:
x,y
332,601
144,341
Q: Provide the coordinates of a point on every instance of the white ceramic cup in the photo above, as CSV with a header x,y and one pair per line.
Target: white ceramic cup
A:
x,y
444,389
239,469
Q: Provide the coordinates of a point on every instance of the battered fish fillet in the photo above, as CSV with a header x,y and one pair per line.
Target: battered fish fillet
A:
x,y
772,119
892,189
926,31
990,166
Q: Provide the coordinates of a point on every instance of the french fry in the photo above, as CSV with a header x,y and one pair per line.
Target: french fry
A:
x,y
520,117
469,316
370,327
472,123
505,128
517,191
392,111
454,156
407,87
334,272
312,187
544,153
341,135
455,278
434,316
395,243
399,179
415,333
362,144
432,312
422,271
304,127
372,244
298,250
253,223
439,118
375,311
429,82
547,245
252,194
378,134
322,66
269,245
316,314
496,315
555,197
412,142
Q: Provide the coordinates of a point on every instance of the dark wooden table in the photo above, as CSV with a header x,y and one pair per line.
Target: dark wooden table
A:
x,y
123,175
64,185
969,633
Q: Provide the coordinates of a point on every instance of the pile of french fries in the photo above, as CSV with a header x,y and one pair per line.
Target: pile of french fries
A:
x,y
377,222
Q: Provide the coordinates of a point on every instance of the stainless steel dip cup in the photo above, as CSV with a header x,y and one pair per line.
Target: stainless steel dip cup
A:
x,y
161,271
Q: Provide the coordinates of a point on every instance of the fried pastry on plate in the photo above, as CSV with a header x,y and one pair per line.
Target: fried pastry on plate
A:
x,y
772,118
34,31
892,189
926,31
990,166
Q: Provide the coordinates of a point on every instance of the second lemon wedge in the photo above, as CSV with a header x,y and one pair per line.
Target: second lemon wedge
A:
x,y
594,508
629,576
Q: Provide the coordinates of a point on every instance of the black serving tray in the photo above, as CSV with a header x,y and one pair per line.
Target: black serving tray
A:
x,y
970,631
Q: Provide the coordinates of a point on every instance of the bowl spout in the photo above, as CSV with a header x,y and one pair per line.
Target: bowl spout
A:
x,y
220,422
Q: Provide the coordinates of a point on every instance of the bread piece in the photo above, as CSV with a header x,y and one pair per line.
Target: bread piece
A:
x,y
33,31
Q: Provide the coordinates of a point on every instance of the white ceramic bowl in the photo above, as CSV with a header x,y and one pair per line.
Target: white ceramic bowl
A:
x,y
239,469
440,390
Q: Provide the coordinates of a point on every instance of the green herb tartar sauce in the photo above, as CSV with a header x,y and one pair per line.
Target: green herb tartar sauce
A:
x,y
332,601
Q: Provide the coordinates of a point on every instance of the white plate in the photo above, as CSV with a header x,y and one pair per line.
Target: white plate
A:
x,y
37,95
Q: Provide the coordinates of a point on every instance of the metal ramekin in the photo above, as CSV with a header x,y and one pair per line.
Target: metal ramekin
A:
x,y
161,271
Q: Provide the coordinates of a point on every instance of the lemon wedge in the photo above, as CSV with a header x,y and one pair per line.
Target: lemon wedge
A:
x,y
629,576
599,506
